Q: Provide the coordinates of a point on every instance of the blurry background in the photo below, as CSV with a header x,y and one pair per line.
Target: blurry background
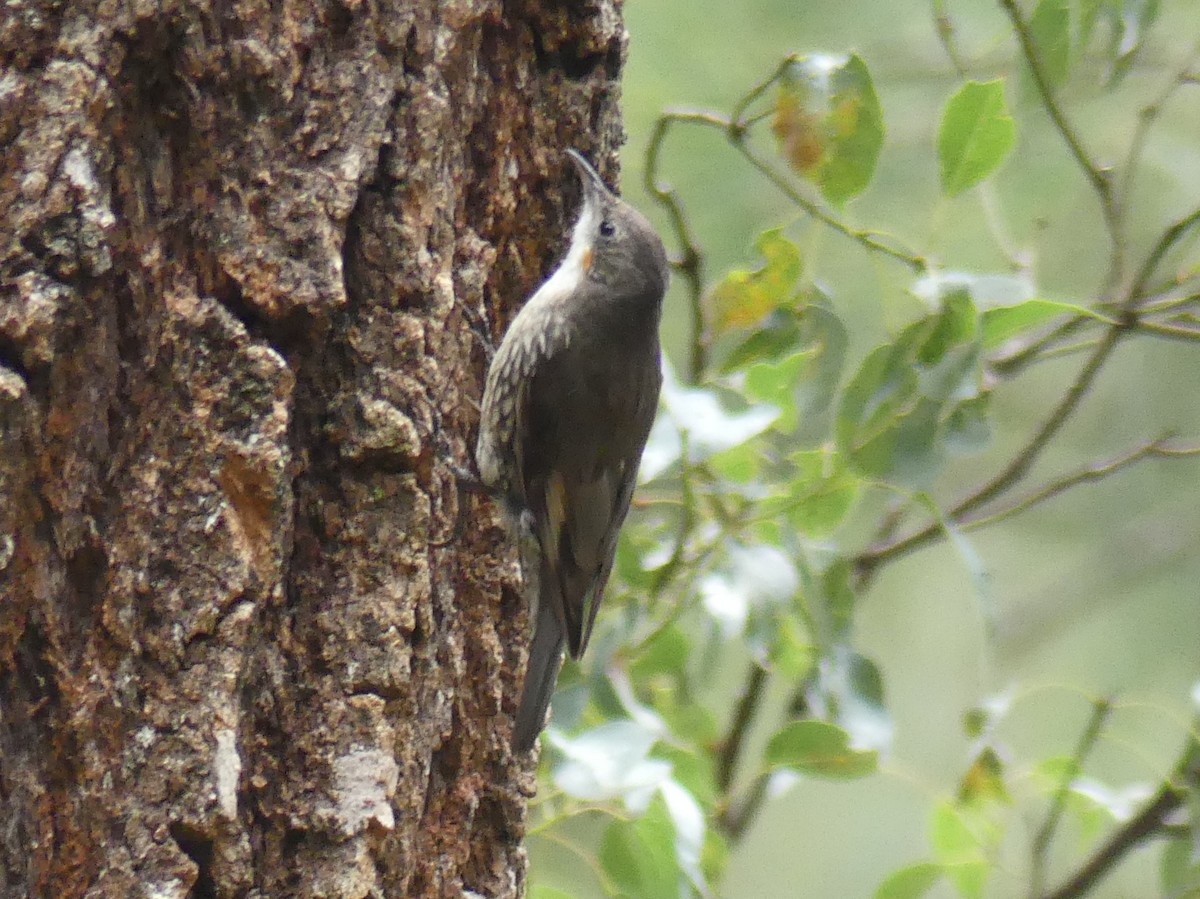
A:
x,y
1097,592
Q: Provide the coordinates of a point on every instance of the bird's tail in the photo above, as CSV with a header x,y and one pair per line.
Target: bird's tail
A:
x,y
545,658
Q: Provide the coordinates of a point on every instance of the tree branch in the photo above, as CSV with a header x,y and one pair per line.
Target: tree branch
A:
x,y
1169,238
747,705
1149,115
1097,176
869,561
1045,835
1094,472
1184,780
1168,330
690,263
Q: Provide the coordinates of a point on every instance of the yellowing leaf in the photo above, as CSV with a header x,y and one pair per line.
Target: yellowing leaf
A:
x,y
744,298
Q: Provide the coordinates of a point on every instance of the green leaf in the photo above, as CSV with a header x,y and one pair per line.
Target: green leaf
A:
x,y
1179,869
976,135
912,882
1005,322
741,464
958,850
851,687
1129,21
906,453
969,878
775,336
667,653
954,326
829,123
639,856
819,493
744,298
691,769
775,383
714,858
839,598
1050,29
821,749
792,653
952,840
823,331
967,428
883,385
894,410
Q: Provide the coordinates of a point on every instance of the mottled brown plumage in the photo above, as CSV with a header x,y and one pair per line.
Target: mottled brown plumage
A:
x,y
570,397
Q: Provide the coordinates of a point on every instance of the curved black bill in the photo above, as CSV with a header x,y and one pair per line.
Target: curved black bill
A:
x,y
593,184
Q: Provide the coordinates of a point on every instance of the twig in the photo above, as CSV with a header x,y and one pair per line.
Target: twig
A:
x,y
1169,238
739,108
1150,820
737,818
1045,835
690,263
869,561
1020,357
1146,119
945,33
1165,329
1098,177
1094,472
1185,779
742,716
869,239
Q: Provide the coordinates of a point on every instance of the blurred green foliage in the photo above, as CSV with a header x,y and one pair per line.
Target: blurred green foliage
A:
x,y
871,633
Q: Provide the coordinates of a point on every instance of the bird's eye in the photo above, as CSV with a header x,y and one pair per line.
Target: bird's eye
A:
x,y
607,229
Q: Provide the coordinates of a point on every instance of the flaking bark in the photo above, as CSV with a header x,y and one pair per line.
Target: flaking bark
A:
x,y
243,649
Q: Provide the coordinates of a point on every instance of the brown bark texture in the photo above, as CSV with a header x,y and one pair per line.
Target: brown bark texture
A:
x,y
244,648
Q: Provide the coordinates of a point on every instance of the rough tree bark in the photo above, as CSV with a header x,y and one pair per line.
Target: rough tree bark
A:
x,y
242,650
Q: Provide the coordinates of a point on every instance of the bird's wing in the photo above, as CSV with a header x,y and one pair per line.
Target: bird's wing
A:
x,y
578,488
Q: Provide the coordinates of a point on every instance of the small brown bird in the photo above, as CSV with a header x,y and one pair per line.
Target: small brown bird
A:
x,y
570,397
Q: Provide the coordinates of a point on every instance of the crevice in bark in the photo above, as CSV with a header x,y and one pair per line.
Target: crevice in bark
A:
x,y
575,63
199,848
85,569
10,358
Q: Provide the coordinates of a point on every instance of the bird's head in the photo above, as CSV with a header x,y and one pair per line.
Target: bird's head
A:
x,y
612,242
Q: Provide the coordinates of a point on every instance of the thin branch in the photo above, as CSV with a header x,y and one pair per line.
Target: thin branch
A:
x,y
1023,355
1144,825
736,819
1149,115
1094,472
1097,176
1168,330
752,694
687,522
1168,301
1184,780
945,32
868,239
739,108
1169,238
690,263
1045,835
869,561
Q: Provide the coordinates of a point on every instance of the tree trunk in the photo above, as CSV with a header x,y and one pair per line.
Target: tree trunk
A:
x,y
244,648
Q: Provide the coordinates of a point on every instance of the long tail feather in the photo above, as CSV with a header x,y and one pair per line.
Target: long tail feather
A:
x,y
545,658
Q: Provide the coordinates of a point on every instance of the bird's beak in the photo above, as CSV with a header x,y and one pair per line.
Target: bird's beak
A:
x,y
593,185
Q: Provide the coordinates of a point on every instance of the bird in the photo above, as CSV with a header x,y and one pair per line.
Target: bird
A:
x,y
570,397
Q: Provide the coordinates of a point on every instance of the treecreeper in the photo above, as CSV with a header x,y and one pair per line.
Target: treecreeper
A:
x,y
570,397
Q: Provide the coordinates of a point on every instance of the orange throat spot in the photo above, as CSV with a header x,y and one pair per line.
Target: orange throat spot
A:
x,y
586,261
